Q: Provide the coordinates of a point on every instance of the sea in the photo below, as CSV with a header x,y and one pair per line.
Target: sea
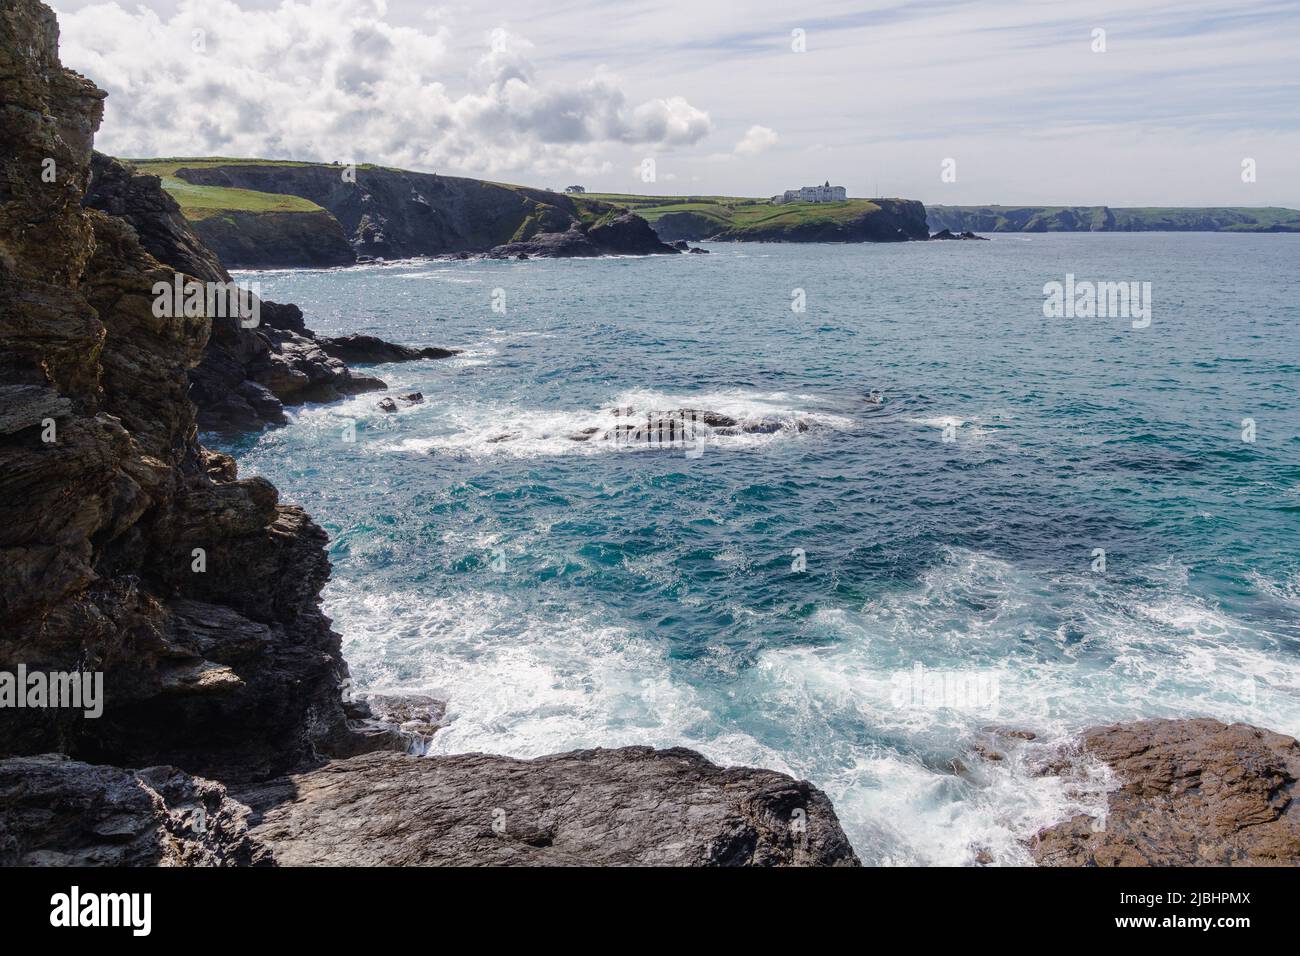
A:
x,y
942,514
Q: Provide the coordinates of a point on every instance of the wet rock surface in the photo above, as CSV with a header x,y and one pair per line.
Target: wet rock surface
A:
x,y
633,806
1191,793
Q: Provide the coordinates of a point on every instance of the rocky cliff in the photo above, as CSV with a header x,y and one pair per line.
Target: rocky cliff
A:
x,y
125,546
393,213
129,550
246,375
277,240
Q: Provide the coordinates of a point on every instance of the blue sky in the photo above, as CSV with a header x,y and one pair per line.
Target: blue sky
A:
x,y
1018,95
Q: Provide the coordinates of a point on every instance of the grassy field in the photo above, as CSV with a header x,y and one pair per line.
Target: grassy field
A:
x,y
740,213
201,202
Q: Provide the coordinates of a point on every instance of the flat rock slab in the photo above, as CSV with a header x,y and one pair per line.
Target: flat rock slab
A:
x,y
1191,793
633,806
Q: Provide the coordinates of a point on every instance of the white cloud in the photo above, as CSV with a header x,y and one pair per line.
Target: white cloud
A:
x,y
334,79
1010,89
759,139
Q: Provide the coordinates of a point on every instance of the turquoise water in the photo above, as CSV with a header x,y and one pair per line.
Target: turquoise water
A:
x,y
561,594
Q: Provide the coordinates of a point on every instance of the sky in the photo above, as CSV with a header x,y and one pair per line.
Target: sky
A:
x,y
1018,102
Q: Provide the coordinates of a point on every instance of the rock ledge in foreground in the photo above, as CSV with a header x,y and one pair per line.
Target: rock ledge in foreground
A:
x,y
1192,793
632,806
60,812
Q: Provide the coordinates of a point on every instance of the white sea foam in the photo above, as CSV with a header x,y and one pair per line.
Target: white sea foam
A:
x,y
1125,656
525,678
519,680
483,429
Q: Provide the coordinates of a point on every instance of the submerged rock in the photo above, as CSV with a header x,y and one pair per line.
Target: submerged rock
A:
x,y
1191,793
633,806
681,245
948,234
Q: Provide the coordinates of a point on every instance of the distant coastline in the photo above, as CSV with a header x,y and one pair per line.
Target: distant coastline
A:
x,y
1113,218
258,213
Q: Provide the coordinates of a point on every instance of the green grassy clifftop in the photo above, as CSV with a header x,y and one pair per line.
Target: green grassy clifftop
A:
x,y
269,213
730,218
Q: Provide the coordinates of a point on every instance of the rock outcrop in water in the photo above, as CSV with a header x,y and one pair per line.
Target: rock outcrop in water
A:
x,y
943,234
622,234
1191,793
369,349
128,549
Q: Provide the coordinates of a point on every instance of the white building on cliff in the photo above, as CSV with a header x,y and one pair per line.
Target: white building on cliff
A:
x,y
826,193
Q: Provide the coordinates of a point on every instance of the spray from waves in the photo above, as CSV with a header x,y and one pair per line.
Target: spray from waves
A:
x,y
525,680
928,672
734,419
886,711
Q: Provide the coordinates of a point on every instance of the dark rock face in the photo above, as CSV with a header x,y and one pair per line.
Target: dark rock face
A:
x,y
633,806
159,224
276,240
1192,793
60,812
242,240
107,501
678,227
392,213
246,375
366,349
625,234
